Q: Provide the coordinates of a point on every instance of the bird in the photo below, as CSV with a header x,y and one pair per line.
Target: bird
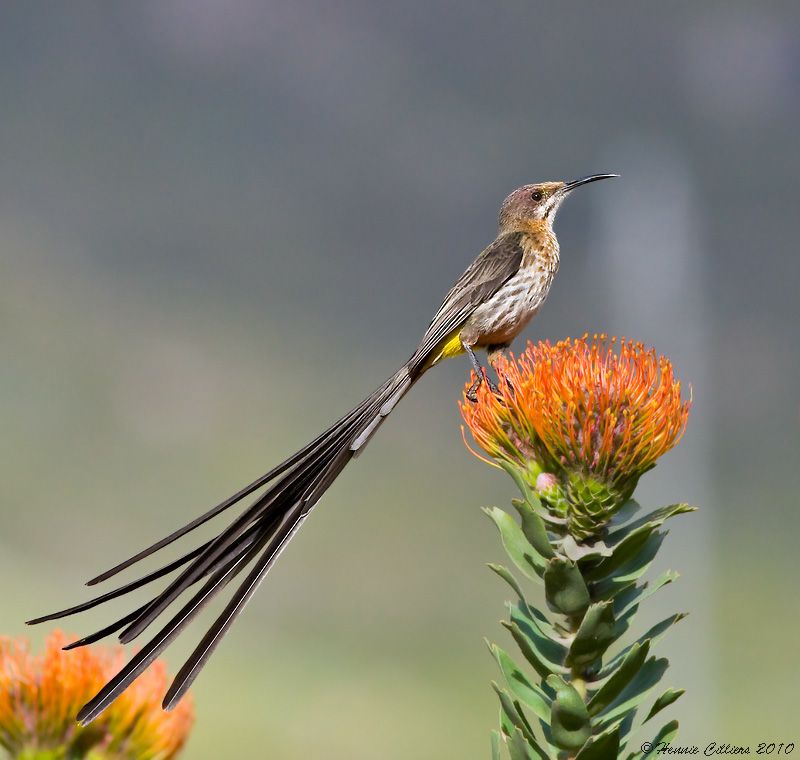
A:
x,y
488,306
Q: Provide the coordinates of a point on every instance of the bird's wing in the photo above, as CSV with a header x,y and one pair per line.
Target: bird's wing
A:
x,y
483,278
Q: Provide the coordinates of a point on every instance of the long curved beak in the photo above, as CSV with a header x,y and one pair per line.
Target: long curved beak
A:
x,y
585,180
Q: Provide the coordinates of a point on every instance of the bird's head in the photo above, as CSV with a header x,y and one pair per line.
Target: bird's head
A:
x,y
531,206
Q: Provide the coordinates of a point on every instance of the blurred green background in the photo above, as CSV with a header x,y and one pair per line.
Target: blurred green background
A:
x,y
223,223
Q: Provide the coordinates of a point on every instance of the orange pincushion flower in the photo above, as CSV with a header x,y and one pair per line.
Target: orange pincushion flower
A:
x,y
582,407
40,696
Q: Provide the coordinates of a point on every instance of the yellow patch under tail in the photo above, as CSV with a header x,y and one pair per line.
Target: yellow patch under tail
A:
x,y
449,348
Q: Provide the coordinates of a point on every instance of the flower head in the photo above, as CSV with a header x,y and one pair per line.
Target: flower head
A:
x,y
40,696
595,413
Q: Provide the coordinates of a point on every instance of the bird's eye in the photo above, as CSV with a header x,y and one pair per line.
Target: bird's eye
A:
x,y
536,195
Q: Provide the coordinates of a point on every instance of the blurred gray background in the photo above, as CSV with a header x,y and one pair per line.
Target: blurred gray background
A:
x,y
223,223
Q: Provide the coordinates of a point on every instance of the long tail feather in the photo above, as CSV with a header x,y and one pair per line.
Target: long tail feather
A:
x,y
251,537
259,534
142,659
122,590
197,660
203,651
107,631
217,549
283,492
221,507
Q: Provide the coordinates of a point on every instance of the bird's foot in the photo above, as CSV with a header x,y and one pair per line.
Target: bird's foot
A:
x,y
472,391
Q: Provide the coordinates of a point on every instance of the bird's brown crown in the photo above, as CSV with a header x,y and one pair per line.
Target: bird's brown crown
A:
x,y
531,207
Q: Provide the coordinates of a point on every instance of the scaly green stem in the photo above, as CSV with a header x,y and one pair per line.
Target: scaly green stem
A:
x,y
577,675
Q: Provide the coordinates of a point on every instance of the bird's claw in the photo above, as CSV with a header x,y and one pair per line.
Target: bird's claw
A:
x,y
472,391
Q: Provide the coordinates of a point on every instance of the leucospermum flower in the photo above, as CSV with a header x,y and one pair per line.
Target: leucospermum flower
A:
x,y
40,696
585,418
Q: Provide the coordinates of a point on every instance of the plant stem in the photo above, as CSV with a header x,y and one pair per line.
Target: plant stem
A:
x,y
580,684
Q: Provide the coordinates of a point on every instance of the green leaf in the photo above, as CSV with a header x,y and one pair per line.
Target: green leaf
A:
x,y
650,674
621,553
538,619
518,747
614,686
506,724
522,554
531,652
529,494
548,734
624,726
652,635
601,747
594,636
623,622
532,740
569,719
530,694
533,528
625,513
664,701
631,570
637,594
496,744
627,542
521,749
544,636
507,706
523,608
665,735
564,587
584,552
516,476
515,719
506,575
656,517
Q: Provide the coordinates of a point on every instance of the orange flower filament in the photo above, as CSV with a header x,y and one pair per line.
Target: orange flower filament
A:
x,y
581,406
40,696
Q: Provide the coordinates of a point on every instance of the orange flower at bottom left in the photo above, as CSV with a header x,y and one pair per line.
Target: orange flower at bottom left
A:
x,y
41,694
